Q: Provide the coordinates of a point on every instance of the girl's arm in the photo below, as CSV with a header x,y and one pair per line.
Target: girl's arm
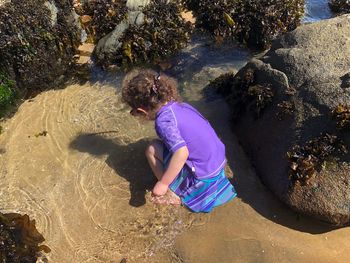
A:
x,y
177,162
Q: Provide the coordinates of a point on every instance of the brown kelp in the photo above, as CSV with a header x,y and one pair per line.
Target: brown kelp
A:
x,y
285,108
253,22
163,33
222,84
100,17
214,16
36,44
339,6
246,94
306,160
19,239
342,114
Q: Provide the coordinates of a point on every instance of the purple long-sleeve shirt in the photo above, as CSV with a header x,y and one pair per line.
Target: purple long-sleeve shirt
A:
x,y
179,124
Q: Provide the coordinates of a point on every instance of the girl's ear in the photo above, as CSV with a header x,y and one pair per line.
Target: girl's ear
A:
x,y
142,110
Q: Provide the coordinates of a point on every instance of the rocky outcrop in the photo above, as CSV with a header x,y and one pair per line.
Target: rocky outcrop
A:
x,y
254,22
100,17
38,40
284,106
149,31
339,6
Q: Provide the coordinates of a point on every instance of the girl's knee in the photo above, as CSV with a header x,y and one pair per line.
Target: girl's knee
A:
x,y
155,148
150,151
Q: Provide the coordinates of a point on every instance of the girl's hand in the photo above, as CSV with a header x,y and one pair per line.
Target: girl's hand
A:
x,y
160,189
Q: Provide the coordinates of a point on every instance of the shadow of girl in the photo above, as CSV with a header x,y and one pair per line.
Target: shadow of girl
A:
x,y
128,161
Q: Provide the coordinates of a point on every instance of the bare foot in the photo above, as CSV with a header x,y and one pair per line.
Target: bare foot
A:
x,y
168,199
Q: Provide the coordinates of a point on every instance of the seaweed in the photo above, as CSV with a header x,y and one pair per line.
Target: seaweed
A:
x,y
248,95
43,133
33,50
214,16
253,22
163,34
100,17
306,161
19,239
261,96
285,108
342,114
260,21
222,84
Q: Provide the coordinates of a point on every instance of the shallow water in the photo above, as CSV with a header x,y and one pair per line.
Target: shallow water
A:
x,y
316,10
86,182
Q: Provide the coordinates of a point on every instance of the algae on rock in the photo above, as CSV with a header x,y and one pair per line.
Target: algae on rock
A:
x,y
147,35
38,40
309,77
253,22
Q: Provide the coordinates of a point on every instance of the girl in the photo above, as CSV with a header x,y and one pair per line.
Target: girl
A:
x,y
189,158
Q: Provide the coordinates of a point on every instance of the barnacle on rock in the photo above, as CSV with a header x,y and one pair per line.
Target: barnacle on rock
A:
x,y
254,22
342,114
307,160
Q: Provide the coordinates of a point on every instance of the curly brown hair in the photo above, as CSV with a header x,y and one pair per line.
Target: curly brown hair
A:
x,y
146,89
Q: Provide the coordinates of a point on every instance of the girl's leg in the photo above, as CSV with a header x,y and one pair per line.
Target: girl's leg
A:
x,y
154,155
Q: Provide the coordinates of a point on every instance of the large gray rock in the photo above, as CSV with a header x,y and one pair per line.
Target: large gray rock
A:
x,y
307,69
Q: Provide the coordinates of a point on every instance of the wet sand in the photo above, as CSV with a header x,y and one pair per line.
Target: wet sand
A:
x,y
85,183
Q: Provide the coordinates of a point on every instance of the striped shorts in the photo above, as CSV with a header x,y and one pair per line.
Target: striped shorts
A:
x,y
200,195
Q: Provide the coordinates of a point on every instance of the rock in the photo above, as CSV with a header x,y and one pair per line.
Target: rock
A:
x,y
150,31
255,22
137,5
2,2
100,17
111,43
38,40
283,104
53,10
